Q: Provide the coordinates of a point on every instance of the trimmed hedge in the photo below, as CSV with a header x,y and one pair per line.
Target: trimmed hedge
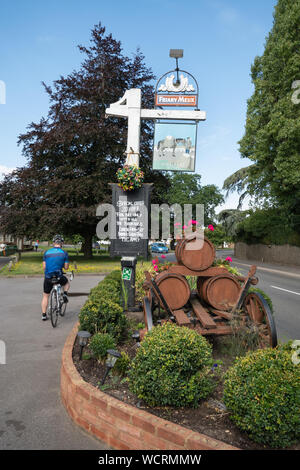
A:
x,y
172,367
262,392
100,343
102,312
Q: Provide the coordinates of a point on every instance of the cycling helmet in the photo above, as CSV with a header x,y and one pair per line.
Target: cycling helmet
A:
x,y
58,239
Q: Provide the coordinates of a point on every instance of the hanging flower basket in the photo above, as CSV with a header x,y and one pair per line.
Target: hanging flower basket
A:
x,y
130,177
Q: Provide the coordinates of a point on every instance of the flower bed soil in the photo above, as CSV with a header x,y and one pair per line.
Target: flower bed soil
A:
x,y
210,418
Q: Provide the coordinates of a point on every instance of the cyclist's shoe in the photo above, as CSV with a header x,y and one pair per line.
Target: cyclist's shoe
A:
x,y
44,317
65,297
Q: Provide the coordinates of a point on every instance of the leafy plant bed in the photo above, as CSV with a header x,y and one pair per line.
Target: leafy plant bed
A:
x,y
210,418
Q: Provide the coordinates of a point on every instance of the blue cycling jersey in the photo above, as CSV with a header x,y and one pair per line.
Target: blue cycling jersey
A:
x,y
55,258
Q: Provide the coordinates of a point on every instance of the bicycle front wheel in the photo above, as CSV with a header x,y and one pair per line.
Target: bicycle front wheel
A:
x,y
63,305
54,307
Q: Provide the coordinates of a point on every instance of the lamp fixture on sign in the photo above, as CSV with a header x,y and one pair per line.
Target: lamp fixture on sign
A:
x,y
177,54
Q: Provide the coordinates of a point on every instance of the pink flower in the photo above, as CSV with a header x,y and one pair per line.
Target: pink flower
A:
x,y
153,261
228,259
192,222
211,228
163,256
184,227
155,267
177,223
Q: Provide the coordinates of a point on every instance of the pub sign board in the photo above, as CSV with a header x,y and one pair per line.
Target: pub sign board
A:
x,y
176,91
131,218
175,100
174,146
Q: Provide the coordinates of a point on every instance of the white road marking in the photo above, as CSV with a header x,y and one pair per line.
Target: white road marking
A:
x,y
286,290
285,273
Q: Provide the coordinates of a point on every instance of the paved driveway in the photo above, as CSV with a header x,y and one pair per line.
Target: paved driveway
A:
x,y
31,413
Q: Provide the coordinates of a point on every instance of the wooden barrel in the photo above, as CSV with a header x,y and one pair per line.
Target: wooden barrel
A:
x,y
195,259
175,289
221,292
177,247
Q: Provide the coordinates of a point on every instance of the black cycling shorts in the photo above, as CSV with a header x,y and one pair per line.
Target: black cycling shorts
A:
x,y
48,284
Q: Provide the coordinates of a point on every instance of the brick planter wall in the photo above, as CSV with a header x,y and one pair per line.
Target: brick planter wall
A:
x,y
122,426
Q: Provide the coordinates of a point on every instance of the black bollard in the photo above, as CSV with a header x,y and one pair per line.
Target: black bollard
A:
x,y
128,265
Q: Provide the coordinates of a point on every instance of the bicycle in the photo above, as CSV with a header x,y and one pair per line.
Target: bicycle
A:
x,y
57,305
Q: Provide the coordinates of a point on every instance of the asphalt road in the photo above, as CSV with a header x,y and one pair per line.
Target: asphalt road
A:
x,y
281,283
32,416
3,261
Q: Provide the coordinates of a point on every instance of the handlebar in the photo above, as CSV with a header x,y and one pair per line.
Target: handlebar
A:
x,y
71,273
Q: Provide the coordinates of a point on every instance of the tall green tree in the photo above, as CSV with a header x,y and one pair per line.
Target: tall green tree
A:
x,y
272,130
230,219
74,153
186,188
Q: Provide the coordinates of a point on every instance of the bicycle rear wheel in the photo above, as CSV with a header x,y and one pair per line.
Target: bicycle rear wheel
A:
x,y
54,308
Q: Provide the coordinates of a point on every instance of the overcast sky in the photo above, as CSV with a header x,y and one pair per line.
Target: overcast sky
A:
x,y
220,39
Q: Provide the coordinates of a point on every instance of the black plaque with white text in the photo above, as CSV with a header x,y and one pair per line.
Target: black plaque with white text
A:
x,y
131,219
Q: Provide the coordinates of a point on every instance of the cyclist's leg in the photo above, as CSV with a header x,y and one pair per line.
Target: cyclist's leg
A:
x,y
66,287
45,298
64,282
45,301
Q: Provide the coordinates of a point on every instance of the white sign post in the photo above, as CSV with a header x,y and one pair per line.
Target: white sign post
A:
x,y
130,107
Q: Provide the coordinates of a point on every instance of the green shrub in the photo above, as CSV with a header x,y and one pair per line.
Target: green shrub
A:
x,y
108,291
262,392
122,365
102,310
110,285
172,367
89,317
103,316
288,346
115,275
100,343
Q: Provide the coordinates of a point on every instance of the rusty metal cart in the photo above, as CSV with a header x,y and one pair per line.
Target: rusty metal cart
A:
x,y
219,298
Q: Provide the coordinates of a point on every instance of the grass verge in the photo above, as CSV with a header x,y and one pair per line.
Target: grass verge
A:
x,y
31,263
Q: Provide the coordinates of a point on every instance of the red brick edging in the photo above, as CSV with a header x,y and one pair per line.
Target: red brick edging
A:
x,y
120,425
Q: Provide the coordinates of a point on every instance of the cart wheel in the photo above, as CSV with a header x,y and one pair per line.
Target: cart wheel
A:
x,y
148,314
260,314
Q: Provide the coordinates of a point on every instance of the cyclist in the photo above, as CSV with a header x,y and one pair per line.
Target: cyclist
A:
x,y
54,260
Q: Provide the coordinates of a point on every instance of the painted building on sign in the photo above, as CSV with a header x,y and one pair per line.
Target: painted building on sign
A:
x,y
174,146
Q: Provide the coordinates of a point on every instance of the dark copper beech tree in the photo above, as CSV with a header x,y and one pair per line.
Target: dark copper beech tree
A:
x,y
74,152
